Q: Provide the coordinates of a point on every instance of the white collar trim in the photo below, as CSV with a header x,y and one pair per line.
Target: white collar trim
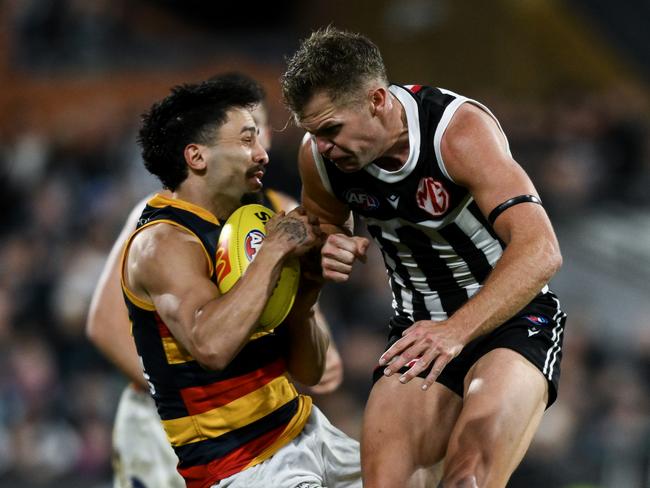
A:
x,y
413,124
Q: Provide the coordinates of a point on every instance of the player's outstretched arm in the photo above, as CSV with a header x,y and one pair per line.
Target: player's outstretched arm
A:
x,y
108,325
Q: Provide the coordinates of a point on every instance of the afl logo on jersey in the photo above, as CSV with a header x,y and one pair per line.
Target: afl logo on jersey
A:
x,y
432,196
253,243
359,198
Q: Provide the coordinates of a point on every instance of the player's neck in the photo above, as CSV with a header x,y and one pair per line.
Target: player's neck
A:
x,y
397,153
220,205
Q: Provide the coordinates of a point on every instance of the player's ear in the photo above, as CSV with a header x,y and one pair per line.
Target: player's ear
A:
x,y
378,97
194,156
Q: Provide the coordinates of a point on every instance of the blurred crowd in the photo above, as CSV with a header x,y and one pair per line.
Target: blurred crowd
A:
x,y
65,197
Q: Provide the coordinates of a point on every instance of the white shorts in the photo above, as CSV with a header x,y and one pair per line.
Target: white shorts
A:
x,y
142,455
321,456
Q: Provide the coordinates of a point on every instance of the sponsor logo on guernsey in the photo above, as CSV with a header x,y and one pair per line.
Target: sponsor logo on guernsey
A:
x,y
432,196
360,198
393,200
252,243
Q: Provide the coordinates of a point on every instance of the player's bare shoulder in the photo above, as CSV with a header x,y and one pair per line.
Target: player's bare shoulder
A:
x,y
469,126
158,240
472,143
155,249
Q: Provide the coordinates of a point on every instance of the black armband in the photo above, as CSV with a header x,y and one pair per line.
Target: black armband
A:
x,y
499,209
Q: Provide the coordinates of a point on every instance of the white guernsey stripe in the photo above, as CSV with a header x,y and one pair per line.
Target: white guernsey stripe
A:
x,y
431,302
320,164
446,118
440,130
407,302
552,354
480,236
408,277
469,225
390,265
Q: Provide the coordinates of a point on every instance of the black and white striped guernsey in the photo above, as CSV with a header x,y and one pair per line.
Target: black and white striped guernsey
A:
x,y
437,246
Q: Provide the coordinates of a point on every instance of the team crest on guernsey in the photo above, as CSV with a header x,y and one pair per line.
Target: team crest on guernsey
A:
x,y
359,198
432,196
253,243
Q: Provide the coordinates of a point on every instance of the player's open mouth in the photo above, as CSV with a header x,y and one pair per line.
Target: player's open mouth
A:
x,y
256,173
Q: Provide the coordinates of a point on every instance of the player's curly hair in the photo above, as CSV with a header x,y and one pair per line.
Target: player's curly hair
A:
x,y
335,61
191,113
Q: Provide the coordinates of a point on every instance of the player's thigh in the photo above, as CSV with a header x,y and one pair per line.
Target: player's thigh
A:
x,y
504,399
402,423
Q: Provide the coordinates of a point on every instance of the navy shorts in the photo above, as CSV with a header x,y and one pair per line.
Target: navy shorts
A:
x,y
535,332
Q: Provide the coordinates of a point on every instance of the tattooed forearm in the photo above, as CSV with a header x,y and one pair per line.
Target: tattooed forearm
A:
x,y
294,229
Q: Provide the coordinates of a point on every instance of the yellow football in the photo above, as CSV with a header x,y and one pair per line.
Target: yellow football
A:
x,y
240,239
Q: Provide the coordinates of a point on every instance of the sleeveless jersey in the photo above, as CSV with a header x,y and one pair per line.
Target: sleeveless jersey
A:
x,y
436,244
219,423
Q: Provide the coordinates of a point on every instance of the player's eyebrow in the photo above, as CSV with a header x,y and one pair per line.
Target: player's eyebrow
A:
x,y
250,128
325,126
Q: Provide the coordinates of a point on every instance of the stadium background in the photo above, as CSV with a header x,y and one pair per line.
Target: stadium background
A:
x,y
568,79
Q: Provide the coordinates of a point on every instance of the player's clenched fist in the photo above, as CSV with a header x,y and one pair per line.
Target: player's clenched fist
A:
x,y
338,254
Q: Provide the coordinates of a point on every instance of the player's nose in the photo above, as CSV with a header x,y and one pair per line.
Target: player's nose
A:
x,y
260,155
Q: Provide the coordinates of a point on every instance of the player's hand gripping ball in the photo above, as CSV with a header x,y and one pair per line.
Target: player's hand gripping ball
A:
x,y
240,239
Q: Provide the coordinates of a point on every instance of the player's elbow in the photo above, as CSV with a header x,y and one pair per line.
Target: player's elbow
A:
x,y
558,261
211,364
210,358
552,258
210,361
308,376
307,372
93,330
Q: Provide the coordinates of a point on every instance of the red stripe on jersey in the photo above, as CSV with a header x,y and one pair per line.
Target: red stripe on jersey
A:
x,y
163,330
206,475
415,88
200,399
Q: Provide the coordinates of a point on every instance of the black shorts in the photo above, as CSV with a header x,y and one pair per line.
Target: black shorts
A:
x,y
536,333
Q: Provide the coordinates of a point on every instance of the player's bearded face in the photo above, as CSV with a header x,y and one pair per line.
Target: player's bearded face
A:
x,y
238,161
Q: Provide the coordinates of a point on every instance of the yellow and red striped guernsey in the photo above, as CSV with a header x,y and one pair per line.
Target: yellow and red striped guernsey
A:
x,y
219,423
